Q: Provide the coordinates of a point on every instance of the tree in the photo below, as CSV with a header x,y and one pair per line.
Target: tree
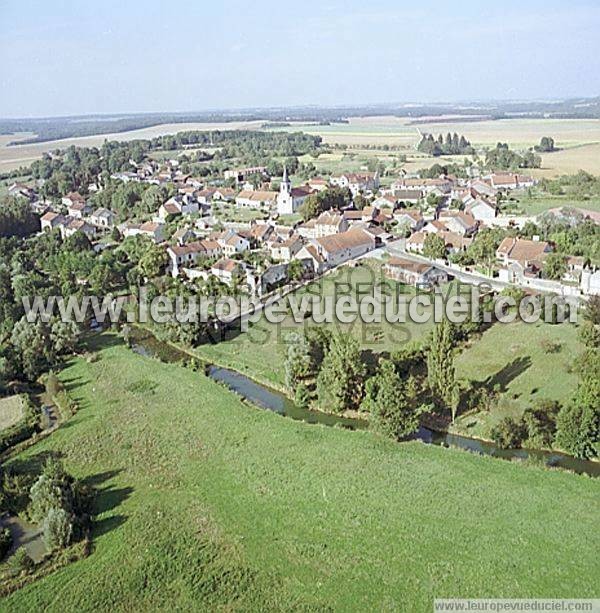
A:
x,y
17,218
484,246
391,402
298,360
52,384
57,528
153,262
32,346
546,145
440,366
360,202
555,266
509,433
434,247
340,381
578,423
591,311
295,270
302,396
45,494
64,336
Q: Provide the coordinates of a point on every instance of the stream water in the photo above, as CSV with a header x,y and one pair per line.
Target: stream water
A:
x,y
144,343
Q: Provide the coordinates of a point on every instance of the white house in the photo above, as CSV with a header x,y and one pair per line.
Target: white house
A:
x,y
51,220
227,269
181,256
409,218
151,229
415,242
231,243
357,182
331,251
256,199
285,250
459,222
482,210
182,204
590,282
103,218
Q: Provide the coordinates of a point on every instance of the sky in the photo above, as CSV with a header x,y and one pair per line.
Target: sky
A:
x,y
69,58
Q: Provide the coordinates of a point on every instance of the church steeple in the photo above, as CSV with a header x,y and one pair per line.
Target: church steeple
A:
x,y
286,184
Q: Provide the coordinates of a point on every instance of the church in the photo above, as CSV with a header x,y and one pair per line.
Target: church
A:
x,y
290,198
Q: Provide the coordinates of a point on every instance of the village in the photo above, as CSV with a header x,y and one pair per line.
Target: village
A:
x,y
299,306
424,224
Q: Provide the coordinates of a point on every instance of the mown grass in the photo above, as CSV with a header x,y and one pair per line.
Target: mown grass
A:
x,y
206,503
525,362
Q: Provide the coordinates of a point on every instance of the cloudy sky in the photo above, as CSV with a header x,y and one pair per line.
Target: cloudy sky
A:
x,y
67,57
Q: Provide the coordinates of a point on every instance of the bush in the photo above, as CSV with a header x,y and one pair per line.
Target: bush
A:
x,y
65,404
302,396
57,529
540,421
509,433
550,346
5,542
21,561
53,385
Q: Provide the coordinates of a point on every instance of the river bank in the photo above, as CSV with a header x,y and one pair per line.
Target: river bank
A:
x,y
265,397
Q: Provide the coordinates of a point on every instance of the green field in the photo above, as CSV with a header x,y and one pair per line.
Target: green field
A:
x,y
230,212
537,203
11,411
260,352
516,358
208,504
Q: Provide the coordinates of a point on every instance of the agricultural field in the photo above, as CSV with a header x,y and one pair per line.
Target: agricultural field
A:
x,y
525,362
207,503
570,160
579,139
22,155
11,411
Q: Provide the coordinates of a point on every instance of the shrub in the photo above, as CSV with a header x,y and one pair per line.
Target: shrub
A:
x,y
550,346
509,433
5,542
21,561
53,385
540,421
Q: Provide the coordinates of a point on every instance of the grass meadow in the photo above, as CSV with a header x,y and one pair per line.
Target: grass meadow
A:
x,y
260,351
525,362
206,503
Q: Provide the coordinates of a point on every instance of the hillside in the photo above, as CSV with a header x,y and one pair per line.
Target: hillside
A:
x,y
208,503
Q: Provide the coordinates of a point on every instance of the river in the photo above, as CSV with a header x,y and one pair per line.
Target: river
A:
x,y
144,343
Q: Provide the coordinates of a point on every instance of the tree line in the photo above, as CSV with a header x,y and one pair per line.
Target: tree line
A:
x,y
453,144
